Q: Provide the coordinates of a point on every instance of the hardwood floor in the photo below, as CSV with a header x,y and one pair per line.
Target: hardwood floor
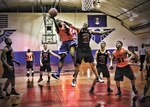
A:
x,y
60,93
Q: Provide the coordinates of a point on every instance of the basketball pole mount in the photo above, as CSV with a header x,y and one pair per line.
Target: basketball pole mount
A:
x,y
48,37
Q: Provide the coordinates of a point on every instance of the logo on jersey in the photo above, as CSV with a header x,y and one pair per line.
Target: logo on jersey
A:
x,y
5,34
86,38
45,56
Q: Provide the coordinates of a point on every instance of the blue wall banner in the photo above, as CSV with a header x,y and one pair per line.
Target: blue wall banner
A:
x,y
97,20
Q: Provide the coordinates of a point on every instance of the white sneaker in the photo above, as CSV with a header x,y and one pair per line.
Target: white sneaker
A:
x,y
99,79
73,82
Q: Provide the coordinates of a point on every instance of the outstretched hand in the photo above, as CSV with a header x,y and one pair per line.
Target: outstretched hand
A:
x,y
113,29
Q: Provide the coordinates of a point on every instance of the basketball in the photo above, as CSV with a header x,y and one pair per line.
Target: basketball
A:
x,y
53,12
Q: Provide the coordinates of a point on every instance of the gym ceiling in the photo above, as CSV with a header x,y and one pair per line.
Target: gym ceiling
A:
x,y
133,14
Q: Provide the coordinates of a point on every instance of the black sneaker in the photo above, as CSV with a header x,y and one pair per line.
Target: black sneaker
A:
x,y
32,74
1,97
48,81
27,74
73,82
7,94
40,79
14,93
118,93
142,99
109,89
56,76
99,79
91,90
135,91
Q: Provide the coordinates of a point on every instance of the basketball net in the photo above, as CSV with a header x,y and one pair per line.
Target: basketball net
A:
x,y
87,5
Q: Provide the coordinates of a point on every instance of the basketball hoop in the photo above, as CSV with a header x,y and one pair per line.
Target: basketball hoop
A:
x,y
87,5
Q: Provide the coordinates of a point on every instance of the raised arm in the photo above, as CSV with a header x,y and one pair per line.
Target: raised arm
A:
x,y
73,27
56,25
102,32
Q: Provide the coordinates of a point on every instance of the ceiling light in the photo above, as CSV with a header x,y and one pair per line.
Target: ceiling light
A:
x,y
135,15
131,18
98,4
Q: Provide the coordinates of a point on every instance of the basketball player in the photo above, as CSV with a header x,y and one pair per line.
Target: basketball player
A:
x,y
84,50
122,66
29,61
102,56
8,66
142,53
45,62
142,99
68,45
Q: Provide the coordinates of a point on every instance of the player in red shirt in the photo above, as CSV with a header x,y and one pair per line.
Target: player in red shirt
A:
x,y
122,66
68,45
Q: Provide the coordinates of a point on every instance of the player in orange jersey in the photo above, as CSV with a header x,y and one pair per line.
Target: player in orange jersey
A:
x,y
29,62
122,66
68,45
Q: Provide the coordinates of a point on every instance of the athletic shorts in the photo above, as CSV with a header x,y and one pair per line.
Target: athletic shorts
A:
x,y
124,71
7,73
46,67
29,65
84,54
103,68
65,46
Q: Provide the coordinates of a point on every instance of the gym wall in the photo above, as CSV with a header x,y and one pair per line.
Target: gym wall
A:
x,y
30,27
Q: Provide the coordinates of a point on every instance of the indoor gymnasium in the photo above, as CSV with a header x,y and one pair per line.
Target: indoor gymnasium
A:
x,y
74,53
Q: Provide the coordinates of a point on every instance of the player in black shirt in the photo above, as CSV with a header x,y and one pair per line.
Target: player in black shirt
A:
x,y
7,58
146,87
45,62
102,56
84,50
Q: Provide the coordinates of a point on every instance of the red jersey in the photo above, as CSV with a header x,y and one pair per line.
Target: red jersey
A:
x,y
120,57
64,36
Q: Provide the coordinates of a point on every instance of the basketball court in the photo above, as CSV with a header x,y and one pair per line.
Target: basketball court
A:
x,y
31,23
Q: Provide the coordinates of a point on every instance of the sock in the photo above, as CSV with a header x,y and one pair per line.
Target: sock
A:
x,y
32,71
48,78
133,86
59,70
118,88
28,72
12,89
40,76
